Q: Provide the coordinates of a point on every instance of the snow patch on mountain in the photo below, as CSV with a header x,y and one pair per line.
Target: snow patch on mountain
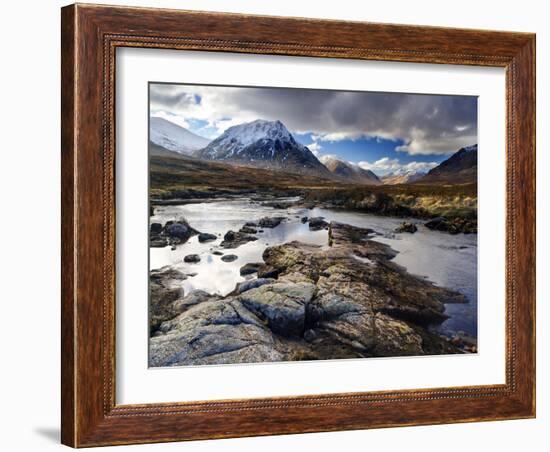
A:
x,y
266,144
237,138
471,148
173,137
406,177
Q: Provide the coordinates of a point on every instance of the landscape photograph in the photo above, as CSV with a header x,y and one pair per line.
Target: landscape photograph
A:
x,y
291,224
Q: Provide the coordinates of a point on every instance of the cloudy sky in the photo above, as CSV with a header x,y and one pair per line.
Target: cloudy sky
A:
x,y
385,132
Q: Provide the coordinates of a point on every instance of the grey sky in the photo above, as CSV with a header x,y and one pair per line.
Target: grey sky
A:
x,y
428,124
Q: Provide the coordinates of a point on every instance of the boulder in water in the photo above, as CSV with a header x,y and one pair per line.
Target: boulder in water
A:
x,y
406,227
270,222
192,258
206,237
317,223
229,258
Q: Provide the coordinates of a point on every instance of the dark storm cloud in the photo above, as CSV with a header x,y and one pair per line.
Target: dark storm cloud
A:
x,y
171,97
426,123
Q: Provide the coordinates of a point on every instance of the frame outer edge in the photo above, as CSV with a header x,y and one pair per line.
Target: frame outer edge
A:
x,y
525,61
534,226
86,419
68,230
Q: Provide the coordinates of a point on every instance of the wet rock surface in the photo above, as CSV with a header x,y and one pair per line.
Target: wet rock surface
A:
x,y
266,271
164,290
213,332
156,228
250,268
406,227
270,222
171,234
229,257
453,226
192,258
248,230
347,300
252,284
279,204
233,239
317,223
282,306
206,237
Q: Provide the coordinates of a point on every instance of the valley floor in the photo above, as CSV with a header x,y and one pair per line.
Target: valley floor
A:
x,y
344,299
182,180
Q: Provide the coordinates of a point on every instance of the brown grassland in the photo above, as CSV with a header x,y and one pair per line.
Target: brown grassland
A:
x,y
179,177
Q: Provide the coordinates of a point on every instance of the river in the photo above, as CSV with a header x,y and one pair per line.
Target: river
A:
x,y
446,260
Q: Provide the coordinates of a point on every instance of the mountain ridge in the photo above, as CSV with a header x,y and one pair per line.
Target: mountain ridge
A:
x,y
461,167
263,144
402,178
173,137
348,171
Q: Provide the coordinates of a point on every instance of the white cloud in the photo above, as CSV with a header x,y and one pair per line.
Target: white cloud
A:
x,y
171,117
386,165
419,167
420,143
339,136
315,148
427,124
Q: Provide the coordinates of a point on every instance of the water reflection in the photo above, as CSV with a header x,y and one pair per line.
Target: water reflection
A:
x,y
212,274
447,260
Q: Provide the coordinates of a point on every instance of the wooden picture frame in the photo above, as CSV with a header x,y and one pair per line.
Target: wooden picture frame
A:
x,y
90,36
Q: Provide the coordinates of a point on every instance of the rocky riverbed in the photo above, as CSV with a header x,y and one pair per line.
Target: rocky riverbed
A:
x,y
343,299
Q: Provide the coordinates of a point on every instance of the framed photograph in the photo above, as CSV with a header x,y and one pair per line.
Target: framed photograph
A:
x,y
280,225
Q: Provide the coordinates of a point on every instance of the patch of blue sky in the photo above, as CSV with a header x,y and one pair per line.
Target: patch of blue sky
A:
x,y
368,149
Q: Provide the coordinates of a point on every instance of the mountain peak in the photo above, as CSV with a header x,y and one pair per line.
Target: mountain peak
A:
x,y
461,167
249,132
349,171
471,148
263,143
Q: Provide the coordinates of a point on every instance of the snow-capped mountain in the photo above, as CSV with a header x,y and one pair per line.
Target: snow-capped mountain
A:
x,y
402,178
349,172
265,144
461,167
173,137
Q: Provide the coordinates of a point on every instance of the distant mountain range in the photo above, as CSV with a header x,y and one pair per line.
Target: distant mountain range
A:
x,y
174,138
269,145
349,172
402,178
460,168
263,144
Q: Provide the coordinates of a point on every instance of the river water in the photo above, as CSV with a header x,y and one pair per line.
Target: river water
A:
x,y
446,260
